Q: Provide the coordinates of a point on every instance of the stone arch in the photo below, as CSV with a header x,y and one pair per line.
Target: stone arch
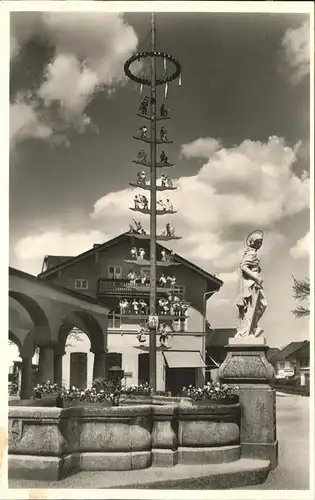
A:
x,y
16,340
24,341
89,325
64,331
36,314
25,345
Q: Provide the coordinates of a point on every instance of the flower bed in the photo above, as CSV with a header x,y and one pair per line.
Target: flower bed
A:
x,y
103,392
46,389
212,391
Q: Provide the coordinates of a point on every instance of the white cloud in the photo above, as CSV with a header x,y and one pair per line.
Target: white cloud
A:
x,y
302,247
219,301
31,249
296,46
200,148
25,123
228,278
246,187
216,210
90,51
70,84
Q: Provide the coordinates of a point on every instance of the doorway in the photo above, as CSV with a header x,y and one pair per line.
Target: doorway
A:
x,y
177,378
143,368
78,370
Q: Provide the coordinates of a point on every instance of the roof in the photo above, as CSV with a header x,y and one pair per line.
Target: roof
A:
x,y
289,350
73,260
219,337
51,261
272,351
68,291
303,352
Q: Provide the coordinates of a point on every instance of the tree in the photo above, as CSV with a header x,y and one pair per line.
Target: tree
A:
x,y
75,335
301,293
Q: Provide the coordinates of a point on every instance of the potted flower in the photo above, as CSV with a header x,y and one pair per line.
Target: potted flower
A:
x,y
103,392
13,388
211,393
46,389
136,394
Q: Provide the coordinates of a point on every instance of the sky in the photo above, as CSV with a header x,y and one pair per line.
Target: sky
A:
x,y
240,126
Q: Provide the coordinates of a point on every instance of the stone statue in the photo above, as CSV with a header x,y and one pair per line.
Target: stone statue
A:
x,y
251,301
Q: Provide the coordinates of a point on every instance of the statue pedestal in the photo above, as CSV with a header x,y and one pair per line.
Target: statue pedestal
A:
x,y
245,341
246,366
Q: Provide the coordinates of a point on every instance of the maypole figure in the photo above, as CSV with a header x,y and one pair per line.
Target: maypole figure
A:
x,y
143,110
141,178
143,130
251,301
163,158
169,231
163,134
166,181
142,155
164,111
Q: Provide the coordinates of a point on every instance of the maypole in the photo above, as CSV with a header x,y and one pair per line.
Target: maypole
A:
x,y
152,324
153,82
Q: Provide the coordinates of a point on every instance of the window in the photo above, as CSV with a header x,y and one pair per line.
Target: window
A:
x,y
281,365
81,284
145,271
115,272
304,363
113,322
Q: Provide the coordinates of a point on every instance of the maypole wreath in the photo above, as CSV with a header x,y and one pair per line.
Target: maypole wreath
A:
x,y
159,81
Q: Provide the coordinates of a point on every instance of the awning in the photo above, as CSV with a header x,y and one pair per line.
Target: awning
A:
x,y
212,364
184,359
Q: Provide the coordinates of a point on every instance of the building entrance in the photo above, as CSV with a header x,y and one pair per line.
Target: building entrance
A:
x,y
143,368
177,378
78,370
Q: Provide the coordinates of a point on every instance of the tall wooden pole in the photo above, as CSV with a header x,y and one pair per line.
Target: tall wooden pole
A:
x,y
152,342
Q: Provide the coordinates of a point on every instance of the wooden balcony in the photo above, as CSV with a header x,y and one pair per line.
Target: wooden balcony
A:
x,y
147,263
123,288
118,321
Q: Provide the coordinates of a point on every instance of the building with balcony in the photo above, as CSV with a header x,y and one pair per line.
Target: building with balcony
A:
x,y
103,272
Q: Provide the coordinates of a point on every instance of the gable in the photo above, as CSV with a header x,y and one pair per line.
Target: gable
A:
x,y
303,352
288,351
121,240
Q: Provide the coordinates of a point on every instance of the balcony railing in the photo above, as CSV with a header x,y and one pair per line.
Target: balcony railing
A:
x,y
119,321
122,287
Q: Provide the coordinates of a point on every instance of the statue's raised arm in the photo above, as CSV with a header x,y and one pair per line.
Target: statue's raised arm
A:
x,y
251,301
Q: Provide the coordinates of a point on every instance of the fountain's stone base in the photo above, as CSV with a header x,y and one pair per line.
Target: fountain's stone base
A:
x,y
247,366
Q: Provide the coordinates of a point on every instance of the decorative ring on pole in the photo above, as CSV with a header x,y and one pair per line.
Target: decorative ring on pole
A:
x,y
145,81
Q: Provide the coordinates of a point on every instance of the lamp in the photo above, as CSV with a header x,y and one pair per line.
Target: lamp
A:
x,y
116,374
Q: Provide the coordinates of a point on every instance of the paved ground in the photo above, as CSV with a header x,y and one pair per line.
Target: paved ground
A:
x,y
294,447
292,472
